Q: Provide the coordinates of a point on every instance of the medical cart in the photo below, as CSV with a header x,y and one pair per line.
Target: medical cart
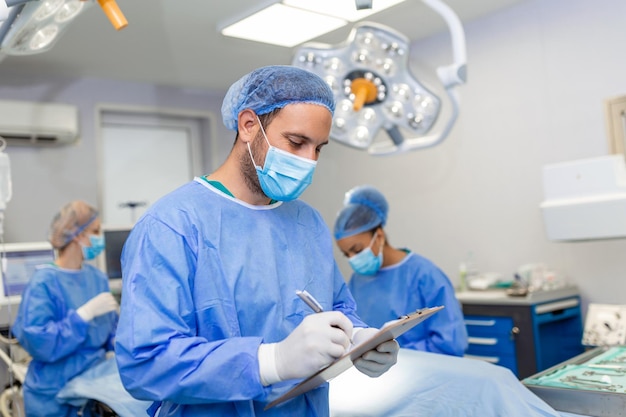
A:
x,y
525,334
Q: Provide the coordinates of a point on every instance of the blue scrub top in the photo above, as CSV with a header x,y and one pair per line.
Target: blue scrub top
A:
x,y
409,285
61,343
207,278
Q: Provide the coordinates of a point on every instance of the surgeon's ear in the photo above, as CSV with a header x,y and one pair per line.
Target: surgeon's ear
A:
x,y
248,125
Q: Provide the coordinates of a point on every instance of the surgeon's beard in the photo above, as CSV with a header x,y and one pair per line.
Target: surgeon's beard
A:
x,y
247,166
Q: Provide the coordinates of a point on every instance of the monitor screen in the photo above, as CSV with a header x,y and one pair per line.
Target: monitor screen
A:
x,y
19,261
114,239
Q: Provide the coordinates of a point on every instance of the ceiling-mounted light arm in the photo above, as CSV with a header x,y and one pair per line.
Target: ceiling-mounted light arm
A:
x,y
11,3
9,10
363,4
455,73
6,25
450,76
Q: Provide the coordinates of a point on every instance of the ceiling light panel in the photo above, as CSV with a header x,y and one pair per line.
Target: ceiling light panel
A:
x,y
283,25
345,9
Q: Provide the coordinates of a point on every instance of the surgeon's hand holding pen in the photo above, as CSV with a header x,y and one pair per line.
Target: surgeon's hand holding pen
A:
x,y
314,304
372,363
315,343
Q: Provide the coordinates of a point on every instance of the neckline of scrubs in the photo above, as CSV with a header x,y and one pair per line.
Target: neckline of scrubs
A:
x,y
404,260
225,190
60,268
219,186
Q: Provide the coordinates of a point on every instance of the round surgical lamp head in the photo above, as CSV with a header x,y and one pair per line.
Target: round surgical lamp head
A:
x,y
374,88
35,26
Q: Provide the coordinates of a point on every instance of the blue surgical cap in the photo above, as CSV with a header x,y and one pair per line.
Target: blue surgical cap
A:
x,y
269,88
365,208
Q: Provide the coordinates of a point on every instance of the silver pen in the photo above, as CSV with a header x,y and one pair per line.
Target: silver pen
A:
x,y
313,304
310,300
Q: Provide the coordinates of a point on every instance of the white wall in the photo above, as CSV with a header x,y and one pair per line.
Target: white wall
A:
x,y
538,75
45,178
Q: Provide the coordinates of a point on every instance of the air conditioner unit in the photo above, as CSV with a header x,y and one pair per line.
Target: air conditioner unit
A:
x,y
38,124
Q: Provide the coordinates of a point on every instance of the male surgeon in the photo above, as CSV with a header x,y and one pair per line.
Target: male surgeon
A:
x,y
210,321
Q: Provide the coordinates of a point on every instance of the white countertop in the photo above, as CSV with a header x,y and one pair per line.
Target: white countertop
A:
x,y
499,296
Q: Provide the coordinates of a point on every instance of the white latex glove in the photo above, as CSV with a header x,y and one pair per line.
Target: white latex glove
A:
x,y
316,342
377,361
100,304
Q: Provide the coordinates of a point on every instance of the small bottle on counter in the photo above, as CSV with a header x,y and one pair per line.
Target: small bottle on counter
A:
x,y
462,277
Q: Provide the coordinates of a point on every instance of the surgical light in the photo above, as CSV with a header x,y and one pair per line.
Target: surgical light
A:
x,y
292,22
374,88
34,26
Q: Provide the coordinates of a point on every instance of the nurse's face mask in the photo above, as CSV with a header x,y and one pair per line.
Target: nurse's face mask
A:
x,y
284,176
97,246
365,262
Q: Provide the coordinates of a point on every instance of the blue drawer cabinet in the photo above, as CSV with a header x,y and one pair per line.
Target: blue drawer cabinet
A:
x,y
524,335
491,339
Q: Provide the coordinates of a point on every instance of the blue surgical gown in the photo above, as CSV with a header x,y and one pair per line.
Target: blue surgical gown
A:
x,y
412,284
207,278
61,343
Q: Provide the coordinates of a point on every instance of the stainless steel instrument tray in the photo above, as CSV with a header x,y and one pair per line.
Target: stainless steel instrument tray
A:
x,y
579,399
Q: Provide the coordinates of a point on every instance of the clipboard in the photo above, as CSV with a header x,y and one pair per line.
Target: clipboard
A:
x,y
389,331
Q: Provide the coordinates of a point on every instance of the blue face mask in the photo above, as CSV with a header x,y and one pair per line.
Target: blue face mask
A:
x,y
284,176
365,262
97,246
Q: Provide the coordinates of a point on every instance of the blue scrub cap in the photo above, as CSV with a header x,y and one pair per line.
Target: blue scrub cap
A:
x,y
365,208
70,221
269,88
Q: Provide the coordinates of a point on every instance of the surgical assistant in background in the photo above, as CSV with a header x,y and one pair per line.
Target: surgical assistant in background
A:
x,y
388,282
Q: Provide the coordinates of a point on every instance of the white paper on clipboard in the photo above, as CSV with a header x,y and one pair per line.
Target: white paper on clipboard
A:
x,y
389,331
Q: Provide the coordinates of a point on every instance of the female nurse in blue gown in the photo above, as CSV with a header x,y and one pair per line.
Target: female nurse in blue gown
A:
x,y
388,282
67,316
